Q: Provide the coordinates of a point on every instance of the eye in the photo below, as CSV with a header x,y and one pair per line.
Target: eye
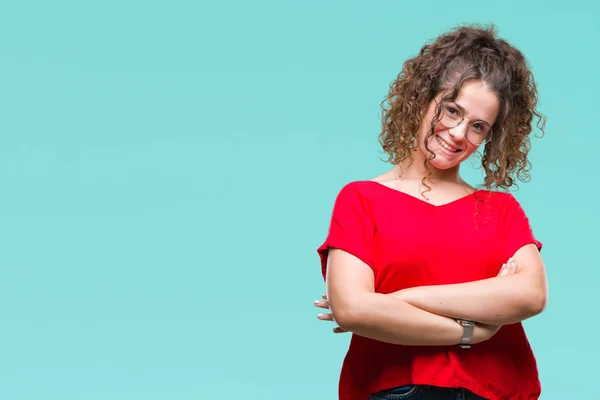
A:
x,y
452,111
479,127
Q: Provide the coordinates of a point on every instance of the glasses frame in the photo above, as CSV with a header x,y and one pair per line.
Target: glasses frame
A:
x,y
441,112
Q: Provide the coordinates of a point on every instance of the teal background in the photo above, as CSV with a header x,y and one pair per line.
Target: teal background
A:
x,y
168,169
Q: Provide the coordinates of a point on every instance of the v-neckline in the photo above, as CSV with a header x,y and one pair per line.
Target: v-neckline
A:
x,y
423,201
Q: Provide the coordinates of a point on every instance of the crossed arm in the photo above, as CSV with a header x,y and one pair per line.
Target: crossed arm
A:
x,y
426,315
501,300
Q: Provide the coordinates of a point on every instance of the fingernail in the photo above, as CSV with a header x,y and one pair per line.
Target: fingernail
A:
x,y
316,301
320,315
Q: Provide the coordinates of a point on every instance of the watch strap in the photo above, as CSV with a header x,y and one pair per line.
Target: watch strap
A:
x,y
467,337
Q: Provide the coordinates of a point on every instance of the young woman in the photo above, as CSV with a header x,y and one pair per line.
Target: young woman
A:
x,y
432,276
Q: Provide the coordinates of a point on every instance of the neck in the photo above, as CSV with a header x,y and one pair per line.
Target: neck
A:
x,y
417,170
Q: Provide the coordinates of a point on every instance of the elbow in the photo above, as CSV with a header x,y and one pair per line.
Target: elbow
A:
x,y
537,303
534,295
346,316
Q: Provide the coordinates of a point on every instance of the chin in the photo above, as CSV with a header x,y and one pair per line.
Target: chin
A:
x,y
442,165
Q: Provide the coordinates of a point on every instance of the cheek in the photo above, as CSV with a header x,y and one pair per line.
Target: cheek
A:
x,y
426,130
439,128
436,129
471,148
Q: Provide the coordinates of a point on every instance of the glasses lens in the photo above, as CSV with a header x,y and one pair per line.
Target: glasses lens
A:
x,y
478,132
452,116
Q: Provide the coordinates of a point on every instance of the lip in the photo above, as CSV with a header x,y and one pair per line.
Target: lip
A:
x,y
451,153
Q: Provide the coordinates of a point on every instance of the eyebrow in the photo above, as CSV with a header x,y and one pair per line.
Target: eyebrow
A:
x,y
461,108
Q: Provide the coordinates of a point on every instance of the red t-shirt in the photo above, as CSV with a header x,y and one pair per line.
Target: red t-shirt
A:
x,y
409,242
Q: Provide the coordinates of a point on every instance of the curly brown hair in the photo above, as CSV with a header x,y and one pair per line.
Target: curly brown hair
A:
x,y
464,54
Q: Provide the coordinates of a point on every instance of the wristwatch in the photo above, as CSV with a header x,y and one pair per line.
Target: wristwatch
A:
x,y
465,341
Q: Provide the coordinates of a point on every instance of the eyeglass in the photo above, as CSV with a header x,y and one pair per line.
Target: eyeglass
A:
x,y
453,115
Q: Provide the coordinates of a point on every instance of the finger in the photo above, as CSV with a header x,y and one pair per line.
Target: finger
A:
x,y
509,268
512,265
337,329
325,317
322,304
324,296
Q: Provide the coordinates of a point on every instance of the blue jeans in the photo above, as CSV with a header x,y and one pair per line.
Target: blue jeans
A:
x,y
424,392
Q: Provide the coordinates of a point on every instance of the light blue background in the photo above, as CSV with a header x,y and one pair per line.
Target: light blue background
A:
x,y
167,171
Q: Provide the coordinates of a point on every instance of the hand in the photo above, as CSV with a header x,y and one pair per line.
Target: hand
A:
x,y
327,317
509,268
481,332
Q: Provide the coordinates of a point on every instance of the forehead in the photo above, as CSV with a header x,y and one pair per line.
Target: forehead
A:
x,y
478,101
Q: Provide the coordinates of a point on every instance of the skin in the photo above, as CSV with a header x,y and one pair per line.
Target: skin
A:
x,y
445,181
509,268
426,315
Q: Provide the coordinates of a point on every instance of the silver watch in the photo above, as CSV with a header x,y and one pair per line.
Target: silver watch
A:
x,y
465,341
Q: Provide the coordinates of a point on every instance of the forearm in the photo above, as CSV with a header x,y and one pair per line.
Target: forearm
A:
x,y
388,319
501,300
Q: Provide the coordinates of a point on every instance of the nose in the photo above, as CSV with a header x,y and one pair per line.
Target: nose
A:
x,y
459,133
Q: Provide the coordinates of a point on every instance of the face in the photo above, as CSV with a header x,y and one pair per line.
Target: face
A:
x,y
450,145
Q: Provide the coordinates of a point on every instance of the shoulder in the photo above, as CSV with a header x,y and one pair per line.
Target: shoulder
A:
x,y
371,187
361,194
502,202
359,187
355,191
362,190
496,197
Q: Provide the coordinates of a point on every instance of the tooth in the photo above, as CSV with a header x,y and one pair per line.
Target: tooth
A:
x,y
446,145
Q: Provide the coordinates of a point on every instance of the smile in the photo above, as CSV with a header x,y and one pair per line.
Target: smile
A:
x,y
446,146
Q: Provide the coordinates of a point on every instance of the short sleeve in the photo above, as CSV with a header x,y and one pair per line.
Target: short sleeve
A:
x,y
517,231
352,228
